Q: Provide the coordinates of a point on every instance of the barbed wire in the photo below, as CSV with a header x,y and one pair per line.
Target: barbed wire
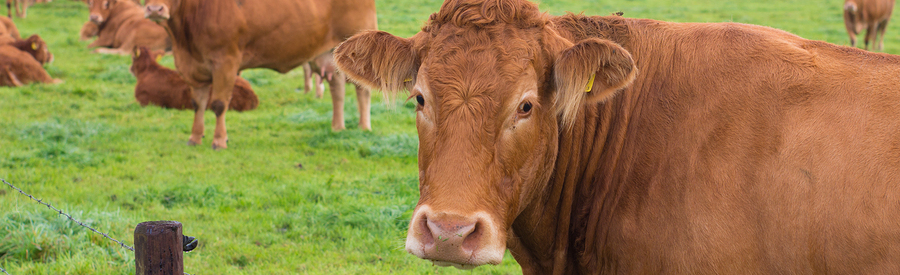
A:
x,y
67,215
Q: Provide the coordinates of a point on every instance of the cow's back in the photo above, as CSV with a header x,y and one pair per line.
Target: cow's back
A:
x,y
279,34
745,149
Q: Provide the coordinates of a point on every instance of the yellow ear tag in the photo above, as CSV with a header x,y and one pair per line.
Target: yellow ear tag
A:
x,y
33,46
137,53
590,84
407,80
158,58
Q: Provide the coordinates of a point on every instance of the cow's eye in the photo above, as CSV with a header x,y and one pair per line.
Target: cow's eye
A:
x,y
420,100
106,5
525,108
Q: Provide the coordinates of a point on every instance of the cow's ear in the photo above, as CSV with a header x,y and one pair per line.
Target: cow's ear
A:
x,y
590,71
378,60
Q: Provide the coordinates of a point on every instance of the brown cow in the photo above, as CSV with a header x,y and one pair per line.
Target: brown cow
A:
x,y
215,39
872,15
34,46
21,62
164,87
122,26
606,145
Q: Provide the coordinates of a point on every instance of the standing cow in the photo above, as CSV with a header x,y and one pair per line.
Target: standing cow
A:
x,y
607,145
871,15
215,39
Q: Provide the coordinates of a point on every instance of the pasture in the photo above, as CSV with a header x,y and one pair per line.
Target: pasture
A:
x,y
288,196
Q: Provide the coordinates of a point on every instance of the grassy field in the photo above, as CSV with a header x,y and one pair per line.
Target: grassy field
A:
x,y
289,196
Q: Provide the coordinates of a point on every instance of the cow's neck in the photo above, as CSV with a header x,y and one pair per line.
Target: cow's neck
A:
x,y
568,230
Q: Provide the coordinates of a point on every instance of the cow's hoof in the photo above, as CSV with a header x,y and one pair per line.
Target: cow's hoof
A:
x,y
220,145
192,143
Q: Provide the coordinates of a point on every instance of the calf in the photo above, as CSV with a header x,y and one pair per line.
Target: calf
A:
x,y
21,62
34,46
872,15
162,86
121,26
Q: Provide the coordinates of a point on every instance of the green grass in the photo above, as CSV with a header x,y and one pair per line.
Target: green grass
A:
x,y
289,196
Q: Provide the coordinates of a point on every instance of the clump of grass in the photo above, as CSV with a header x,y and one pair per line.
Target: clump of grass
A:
x,y
43,236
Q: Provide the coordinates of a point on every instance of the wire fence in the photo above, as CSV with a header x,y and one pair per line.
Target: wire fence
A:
x,y
69,217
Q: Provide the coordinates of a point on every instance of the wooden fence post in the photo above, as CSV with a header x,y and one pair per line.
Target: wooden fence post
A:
x,y
158,248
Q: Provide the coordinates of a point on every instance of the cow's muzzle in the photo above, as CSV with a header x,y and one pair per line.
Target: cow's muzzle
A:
x,y
463,241
157,13
96,18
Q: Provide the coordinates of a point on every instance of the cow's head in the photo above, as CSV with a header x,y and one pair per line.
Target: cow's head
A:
x,y
142,58
36,46
159,10
100,10
494,84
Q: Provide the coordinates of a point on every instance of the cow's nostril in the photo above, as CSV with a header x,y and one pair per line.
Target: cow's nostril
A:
x,y
427,236
473,240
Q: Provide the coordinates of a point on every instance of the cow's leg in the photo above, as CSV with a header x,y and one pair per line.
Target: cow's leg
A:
x,y
222,87
870,34
882,26
200,100
364,103
337,84
307,77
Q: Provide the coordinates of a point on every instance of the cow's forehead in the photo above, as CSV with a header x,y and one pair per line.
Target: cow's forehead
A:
x,y
478,58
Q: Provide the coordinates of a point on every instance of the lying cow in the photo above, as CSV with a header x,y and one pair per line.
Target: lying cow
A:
x,y
164,87
871,15
21,62
34,46
609,145
121,26
214,40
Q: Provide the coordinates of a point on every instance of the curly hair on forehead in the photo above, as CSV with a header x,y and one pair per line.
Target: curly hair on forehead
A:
x,y
485,13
